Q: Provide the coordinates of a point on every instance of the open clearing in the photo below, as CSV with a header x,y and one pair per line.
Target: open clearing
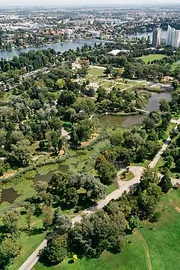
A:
x,y
154,245
151,57
97,77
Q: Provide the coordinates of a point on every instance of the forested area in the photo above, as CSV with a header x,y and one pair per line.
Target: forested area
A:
x,y
31,121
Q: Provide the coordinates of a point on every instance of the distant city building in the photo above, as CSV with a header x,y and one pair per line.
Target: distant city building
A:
x,y
173,37
156,37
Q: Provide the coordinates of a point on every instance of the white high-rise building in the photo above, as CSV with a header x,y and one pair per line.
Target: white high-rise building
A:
x,y
176,39
173,37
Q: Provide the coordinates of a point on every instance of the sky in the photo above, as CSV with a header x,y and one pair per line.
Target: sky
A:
x,y
83,2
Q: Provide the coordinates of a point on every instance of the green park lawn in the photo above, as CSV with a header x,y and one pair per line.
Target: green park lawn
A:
x,y
163,239
151,57
97,72
160,240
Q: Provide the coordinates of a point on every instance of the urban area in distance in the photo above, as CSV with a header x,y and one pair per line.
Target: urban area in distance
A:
x,y
90,135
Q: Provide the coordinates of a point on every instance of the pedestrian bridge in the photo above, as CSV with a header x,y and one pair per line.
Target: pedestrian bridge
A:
x,y
143,111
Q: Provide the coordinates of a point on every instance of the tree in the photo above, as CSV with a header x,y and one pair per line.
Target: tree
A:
x,y
148,176
165,183
61,84
61,222
108,71
148,200
101,94
29,213
83,71
20,154
106,171
94,188
175,84
56,250
47,216
164,105
178,165
9,249
97,232
115,73
10,221
117,137
66,98
169,161
65,194
134,222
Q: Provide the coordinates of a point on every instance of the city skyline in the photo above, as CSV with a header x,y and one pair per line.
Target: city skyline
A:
x,y
87,3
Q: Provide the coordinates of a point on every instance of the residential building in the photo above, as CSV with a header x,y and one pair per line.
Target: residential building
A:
x,y
173,37
156,37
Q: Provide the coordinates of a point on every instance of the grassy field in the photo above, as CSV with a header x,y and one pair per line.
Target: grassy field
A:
x,y
154,244
97,72
151,57
163,240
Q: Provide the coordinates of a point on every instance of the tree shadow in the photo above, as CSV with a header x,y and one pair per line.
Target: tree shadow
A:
x,y
35,231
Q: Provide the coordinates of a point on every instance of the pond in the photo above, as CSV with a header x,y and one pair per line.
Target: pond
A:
x,y
153,104
132,120
8,195
48,176
126,121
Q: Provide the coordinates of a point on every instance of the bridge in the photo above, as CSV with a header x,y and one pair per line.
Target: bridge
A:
x,y
142,111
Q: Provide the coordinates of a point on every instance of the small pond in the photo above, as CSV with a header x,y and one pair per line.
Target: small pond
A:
x,y
8,195
48,176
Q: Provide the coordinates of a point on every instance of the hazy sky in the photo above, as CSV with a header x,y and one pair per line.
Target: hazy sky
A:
x,y
82,2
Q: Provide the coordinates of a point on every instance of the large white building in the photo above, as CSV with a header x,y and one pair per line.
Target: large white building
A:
x,y
173,37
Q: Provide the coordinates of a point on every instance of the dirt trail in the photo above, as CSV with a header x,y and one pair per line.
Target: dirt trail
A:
x,y
141,237
172,202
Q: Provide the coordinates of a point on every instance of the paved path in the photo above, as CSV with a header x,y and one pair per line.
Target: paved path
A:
x,y
165,145
32,260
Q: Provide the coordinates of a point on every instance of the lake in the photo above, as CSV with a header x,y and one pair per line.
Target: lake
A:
x,y
57,47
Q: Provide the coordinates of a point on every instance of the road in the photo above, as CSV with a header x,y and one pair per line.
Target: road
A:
x,y
122,187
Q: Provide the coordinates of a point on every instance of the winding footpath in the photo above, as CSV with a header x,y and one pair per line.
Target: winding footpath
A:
x,y
122,187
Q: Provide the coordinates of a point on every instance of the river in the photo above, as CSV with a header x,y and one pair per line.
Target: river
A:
x,y
57,47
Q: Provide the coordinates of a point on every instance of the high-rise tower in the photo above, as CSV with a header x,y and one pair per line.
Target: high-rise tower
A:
x,y
156,37
173,37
